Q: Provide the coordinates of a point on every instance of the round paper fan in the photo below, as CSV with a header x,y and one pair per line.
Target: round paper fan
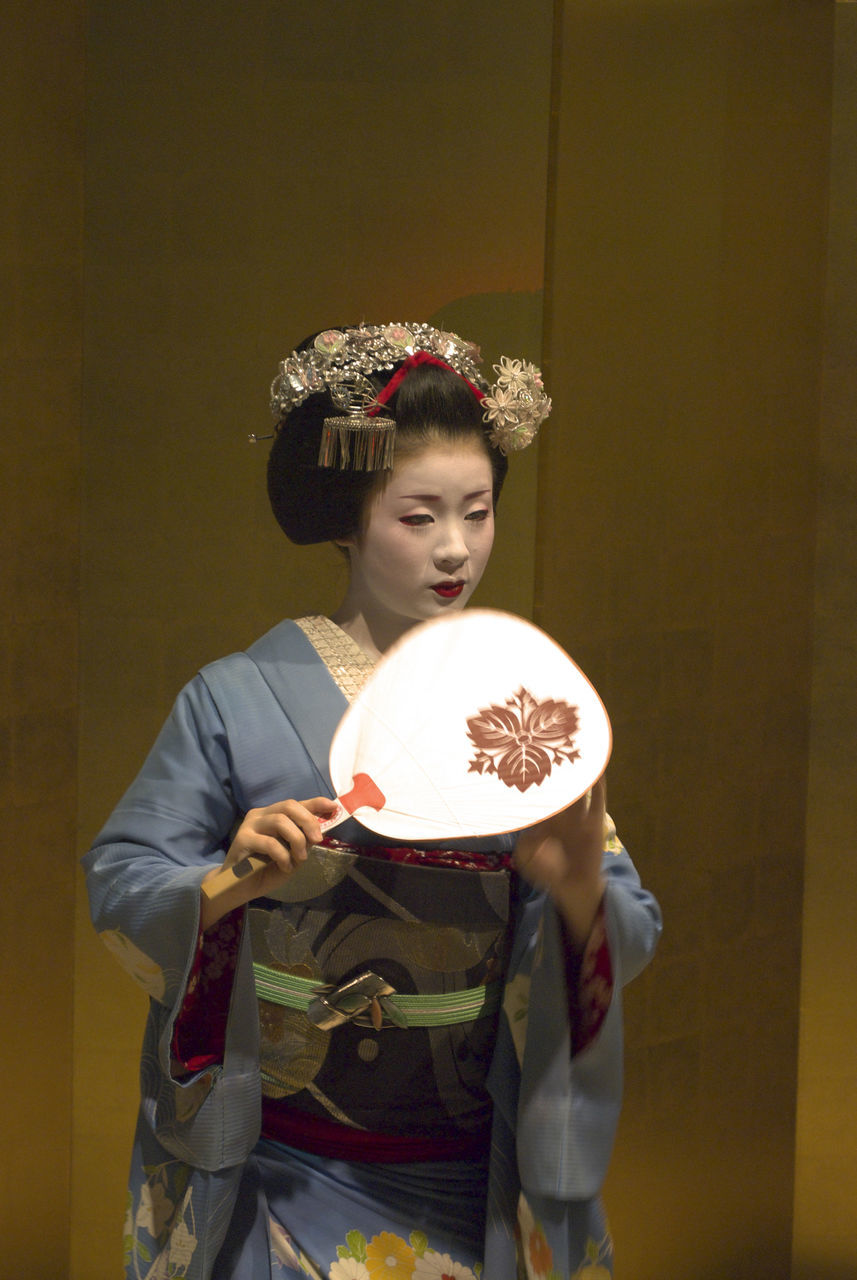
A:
x,y
474,723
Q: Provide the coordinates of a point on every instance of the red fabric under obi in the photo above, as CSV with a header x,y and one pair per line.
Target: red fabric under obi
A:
x,y
459,858
341,1142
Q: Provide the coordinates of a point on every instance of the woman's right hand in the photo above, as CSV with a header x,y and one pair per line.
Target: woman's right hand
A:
x,y
281,834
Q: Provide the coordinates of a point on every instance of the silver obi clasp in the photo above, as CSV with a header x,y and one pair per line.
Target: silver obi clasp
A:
x,y
360,999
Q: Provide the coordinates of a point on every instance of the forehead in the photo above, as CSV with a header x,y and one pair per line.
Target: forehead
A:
x,y
458,465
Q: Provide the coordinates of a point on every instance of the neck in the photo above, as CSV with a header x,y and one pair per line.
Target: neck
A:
x,y
374,634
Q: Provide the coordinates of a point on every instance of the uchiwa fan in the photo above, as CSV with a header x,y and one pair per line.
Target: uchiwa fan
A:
x,y
474,723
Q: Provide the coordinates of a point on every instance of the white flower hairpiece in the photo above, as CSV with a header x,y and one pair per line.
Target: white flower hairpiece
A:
x,y
516,405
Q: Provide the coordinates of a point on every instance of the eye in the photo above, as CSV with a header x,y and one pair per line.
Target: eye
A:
x,y
481,514
416,521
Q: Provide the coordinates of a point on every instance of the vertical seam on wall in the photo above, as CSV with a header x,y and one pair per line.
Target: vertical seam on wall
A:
x,y
542,477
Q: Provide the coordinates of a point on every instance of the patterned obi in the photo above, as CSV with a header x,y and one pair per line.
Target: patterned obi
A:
x,y
424,930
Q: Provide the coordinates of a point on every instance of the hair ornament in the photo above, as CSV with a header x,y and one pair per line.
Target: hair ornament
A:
x,y
339,361
358,444
516,405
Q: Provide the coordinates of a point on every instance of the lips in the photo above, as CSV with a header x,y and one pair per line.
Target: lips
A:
x,y
449,590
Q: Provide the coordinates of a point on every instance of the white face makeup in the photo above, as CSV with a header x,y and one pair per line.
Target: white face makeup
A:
x,y
427,539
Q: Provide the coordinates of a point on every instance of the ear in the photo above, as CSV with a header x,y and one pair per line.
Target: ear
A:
x,y
343,546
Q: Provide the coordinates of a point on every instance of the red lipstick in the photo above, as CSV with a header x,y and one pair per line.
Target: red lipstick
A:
x,y
449,590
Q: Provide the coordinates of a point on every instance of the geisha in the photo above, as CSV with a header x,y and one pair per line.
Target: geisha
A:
x,y
456,1119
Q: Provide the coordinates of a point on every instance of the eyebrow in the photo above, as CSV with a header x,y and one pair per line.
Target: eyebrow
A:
x,y
435,497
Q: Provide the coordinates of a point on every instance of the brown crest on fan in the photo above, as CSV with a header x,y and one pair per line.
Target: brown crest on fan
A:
x,y
523,739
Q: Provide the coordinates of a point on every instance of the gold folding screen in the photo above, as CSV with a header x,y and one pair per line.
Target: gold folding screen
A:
x,y
675,551
255,173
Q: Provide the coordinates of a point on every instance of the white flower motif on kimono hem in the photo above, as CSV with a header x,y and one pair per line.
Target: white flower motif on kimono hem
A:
x,y
182,1240
440,1266
348,1269
282,1249
155,1208
160,1236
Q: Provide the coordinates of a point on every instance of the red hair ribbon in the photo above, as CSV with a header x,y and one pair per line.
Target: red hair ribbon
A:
x,y
419,357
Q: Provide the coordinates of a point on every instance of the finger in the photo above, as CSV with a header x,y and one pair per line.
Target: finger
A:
x,y
291,835
591,804
320,808
321,805
293,809
279,852
598,803
305,814
275,839
270,834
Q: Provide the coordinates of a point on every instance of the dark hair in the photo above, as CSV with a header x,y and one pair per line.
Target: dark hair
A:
x,y
318,504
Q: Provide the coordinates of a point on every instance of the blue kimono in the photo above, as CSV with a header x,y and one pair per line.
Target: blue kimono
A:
x,y
207,1197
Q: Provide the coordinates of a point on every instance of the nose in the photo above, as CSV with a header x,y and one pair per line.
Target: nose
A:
x,y
451,550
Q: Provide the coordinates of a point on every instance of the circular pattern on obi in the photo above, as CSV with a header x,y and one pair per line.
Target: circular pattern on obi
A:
x,y
292,1050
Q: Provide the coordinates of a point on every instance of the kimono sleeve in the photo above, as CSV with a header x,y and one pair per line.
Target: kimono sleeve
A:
x,y
144,873
564,1108
172,825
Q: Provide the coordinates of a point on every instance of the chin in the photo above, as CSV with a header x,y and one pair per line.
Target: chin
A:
x,y
445,603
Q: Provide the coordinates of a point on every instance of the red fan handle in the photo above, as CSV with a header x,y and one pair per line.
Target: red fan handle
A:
x,y
364,794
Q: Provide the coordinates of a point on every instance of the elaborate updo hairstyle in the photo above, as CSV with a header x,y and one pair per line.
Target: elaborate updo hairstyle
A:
x,y
312,503
348,402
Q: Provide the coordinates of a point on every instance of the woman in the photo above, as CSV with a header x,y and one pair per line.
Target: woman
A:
x,y
472,1140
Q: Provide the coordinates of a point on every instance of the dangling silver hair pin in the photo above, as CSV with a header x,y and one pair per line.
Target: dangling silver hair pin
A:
x,y
355,439
358,442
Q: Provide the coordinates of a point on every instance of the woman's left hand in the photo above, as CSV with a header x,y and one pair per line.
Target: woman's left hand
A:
x,y
563,855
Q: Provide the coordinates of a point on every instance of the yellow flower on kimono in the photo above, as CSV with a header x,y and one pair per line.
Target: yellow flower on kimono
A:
x,y
389,1257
